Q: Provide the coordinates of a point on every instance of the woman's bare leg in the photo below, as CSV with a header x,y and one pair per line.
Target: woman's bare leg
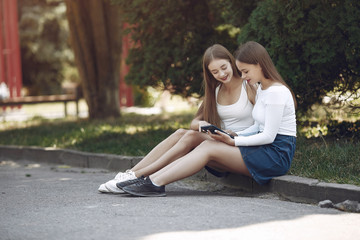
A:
x,y
160,149
184,145
228,157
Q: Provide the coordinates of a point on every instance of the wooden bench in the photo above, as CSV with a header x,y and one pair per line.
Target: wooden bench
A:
x,y
65,98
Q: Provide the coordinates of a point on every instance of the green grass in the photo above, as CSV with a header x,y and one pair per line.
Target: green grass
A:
x,y
132,134
326,159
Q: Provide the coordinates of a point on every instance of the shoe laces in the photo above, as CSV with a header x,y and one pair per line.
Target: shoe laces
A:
x,y
125,175
142,181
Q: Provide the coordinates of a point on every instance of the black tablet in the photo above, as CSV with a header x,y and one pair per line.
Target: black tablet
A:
x,y
212,129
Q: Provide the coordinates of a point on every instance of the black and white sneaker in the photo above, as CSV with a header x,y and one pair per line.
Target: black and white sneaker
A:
x,y
145,188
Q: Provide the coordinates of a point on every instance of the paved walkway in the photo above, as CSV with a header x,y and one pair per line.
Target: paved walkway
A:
x,y
51,201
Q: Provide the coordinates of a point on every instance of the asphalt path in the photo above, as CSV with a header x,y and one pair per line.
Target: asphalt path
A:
x,y
44,201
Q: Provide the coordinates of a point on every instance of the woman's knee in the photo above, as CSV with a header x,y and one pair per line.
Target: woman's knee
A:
x,y
192,138
206,144
191,134
180,132
211,147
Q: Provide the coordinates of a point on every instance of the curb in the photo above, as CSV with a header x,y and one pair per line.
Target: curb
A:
x,y
68,157
293,188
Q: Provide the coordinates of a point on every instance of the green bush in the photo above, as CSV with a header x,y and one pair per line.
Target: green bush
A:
x,y
171,37
349,130
314,44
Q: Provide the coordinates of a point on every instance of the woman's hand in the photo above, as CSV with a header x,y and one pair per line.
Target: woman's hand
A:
x,y
231,133
222,137
203,123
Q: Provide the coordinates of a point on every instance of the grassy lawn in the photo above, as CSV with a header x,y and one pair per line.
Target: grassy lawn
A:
x,y
326,159
132,134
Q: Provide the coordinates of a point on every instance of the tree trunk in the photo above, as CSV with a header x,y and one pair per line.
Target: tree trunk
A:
x,y
95,29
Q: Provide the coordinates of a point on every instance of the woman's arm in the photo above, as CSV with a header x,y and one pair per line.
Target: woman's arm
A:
x,y
197,122
253,129
273,113
273,117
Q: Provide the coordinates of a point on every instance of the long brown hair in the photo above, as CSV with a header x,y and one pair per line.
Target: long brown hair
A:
x,y
208,107
254,53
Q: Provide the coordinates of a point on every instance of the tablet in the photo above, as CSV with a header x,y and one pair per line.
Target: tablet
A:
x,y
212,129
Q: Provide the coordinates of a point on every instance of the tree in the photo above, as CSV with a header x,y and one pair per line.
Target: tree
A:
x,y
95,29
43,45
171,37
234,12
314,44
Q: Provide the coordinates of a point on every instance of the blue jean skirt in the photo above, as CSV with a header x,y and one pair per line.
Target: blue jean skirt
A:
x,y
271,160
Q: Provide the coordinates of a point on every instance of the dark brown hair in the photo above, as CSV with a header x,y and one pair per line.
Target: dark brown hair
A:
x,y
254,53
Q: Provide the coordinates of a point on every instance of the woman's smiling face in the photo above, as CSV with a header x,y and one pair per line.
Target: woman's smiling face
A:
x,y
221,70
251,73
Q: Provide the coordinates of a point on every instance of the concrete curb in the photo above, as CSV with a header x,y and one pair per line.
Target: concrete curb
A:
x,y
68,157
293,188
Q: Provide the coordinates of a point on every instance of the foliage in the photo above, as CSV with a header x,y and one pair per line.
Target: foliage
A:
x,y
348,130
314,44
142,97
234,12
44,47
171,37
331,129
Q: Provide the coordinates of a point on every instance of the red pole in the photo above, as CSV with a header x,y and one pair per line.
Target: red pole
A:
x,y
2,32
125,91
12,45
7,51
16,47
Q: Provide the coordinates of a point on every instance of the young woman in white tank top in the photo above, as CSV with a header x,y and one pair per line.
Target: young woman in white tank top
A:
x,y
237,116
228,110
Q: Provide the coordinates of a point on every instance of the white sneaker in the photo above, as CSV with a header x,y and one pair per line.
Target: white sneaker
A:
x,y
110,186
103,189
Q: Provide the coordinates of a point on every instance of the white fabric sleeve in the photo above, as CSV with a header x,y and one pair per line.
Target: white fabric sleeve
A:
x,y
252,129
273,117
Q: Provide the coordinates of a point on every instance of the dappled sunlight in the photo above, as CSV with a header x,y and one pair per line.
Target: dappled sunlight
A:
x,y
318,226
9,163
65,179
31,166
132,129
138,129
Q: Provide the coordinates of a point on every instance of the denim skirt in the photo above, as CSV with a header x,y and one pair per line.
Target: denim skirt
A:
x,y
271,160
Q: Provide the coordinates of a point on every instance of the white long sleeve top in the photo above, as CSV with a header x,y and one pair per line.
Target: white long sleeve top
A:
x,y
274,113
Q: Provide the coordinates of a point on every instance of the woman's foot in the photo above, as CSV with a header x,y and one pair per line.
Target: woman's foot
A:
x,y
128,182
110,186
145,188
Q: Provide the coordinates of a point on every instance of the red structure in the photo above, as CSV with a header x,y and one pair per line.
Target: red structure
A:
x,y
125,92
10,63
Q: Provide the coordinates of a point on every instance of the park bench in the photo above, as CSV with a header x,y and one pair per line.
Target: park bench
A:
x,y
65,98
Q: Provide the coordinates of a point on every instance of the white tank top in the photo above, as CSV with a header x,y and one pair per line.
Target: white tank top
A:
x,y
237,116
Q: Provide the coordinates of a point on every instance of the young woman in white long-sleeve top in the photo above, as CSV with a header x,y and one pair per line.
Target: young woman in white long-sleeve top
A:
x,y
228,103
269,152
